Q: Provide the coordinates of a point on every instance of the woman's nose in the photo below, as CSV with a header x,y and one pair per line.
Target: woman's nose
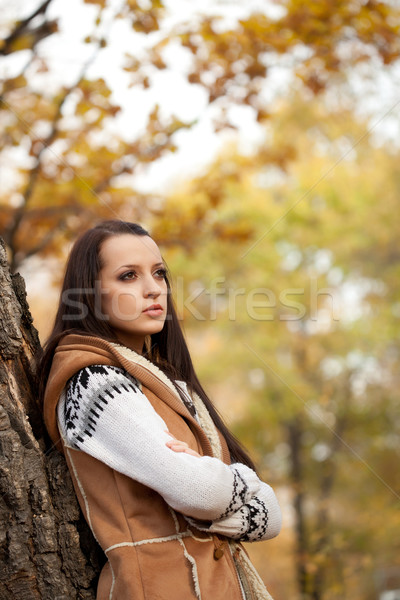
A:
x,y
152,288
153,293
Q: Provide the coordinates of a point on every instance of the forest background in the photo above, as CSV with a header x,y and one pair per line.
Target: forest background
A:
x,y
258,142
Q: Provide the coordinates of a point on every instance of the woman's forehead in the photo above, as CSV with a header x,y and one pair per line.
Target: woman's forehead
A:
x,y
129,249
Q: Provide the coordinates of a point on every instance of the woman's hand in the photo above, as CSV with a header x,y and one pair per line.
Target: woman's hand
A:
x,y
179,446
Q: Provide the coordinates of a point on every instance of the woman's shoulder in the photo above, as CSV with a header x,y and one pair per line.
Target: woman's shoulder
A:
x,y
95,379
93,391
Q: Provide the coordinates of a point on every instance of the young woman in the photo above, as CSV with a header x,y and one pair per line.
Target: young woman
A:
x,y
167,490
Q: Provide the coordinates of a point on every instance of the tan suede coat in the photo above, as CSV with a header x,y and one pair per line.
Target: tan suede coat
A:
x,y
152,552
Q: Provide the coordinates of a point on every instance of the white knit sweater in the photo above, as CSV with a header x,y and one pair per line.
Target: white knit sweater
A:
x,y
104,412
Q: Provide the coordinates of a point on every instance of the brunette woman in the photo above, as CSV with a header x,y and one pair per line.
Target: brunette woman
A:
x,y
167,490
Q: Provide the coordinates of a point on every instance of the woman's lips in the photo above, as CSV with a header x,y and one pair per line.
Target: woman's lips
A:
x,y
154,311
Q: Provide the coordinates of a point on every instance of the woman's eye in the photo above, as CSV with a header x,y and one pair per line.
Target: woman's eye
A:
x,y
128,275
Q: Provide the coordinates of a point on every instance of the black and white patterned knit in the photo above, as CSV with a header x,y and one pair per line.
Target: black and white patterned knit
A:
x,y
86,403
104,413
250,522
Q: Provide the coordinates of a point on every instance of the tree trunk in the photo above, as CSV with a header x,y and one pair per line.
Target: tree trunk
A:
x,y
295,432
46,548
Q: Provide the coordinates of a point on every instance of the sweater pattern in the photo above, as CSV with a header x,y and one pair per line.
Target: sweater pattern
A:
x,y
84,404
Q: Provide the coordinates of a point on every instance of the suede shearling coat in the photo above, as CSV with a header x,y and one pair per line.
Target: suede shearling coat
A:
x,y
153,553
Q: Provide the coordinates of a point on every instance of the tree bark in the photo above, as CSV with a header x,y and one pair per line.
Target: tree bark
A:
x,y
46,549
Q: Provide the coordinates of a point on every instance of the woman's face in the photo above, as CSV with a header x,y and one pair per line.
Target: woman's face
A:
x,y
132,280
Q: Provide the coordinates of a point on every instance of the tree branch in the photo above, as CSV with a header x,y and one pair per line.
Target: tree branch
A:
x,y
40,32
11,232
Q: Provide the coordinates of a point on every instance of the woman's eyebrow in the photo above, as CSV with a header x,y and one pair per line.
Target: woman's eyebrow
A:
x,y
159,264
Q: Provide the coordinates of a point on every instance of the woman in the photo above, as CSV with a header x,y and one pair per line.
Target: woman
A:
x,y
167,490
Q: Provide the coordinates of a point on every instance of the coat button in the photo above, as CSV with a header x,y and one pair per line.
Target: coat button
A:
x,y
218,553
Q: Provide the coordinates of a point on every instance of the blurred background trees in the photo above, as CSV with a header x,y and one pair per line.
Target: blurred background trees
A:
x,y
285,251
305,325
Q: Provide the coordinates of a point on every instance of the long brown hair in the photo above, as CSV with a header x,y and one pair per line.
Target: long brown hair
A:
x,y
167,349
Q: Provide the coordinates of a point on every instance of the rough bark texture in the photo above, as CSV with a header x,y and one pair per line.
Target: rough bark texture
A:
x,y
46,548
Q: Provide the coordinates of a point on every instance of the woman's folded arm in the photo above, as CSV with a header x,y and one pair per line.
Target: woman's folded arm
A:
x,y
258,519
105,414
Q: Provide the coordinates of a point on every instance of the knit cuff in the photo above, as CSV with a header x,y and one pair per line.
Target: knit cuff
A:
x,y
259,519
235,526
245,485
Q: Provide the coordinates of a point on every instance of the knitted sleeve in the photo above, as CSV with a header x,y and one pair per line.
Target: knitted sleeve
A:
x,y
259,519
105,414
